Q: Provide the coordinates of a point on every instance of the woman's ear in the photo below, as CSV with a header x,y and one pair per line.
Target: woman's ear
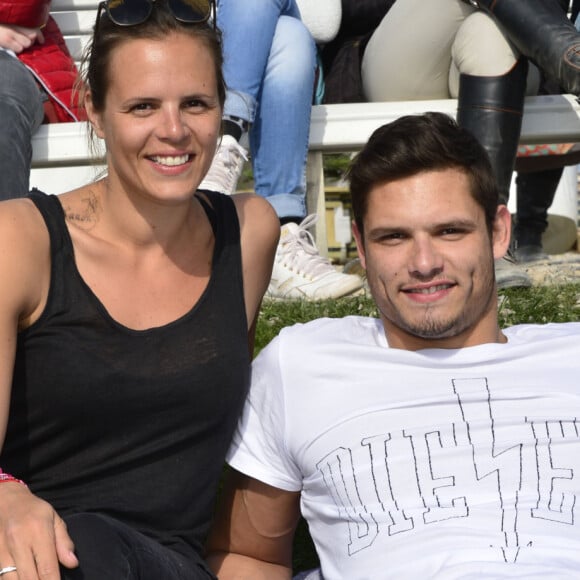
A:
x,y
501,232
93,116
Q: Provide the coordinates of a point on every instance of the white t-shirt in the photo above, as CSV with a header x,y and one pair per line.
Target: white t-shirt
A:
x,y
431,464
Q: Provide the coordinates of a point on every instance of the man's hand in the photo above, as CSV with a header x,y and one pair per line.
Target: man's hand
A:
x,y
33,537
18,38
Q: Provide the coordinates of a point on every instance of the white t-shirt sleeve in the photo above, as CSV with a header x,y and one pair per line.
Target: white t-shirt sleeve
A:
x,y
258,447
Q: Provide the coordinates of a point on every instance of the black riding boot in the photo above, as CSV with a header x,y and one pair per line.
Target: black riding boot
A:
x,y
542,32
492,108
535,194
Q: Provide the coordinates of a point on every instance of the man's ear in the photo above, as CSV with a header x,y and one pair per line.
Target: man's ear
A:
x,y
360,245
93,116
501,232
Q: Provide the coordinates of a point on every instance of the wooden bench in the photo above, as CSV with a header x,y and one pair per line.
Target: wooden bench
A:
x,y
62,156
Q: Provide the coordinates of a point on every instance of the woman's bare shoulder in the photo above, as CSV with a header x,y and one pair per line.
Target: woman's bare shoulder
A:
x,y
20,221
24,257
257,215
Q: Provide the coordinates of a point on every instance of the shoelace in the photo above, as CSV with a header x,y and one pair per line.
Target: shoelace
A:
x,y
233,157
227,166
300,253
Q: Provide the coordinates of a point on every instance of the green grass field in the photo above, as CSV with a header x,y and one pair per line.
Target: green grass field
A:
x,y
536,305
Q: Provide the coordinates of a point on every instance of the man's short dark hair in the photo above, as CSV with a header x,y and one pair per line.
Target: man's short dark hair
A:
x,y
416,143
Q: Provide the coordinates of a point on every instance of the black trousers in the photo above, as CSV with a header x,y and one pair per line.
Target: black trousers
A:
x,y
110,550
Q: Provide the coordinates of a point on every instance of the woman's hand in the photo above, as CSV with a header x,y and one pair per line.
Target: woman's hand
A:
x,y
33,537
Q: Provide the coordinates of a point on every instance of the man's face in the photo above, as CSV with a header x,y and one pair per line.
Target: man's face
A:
x,y
430,261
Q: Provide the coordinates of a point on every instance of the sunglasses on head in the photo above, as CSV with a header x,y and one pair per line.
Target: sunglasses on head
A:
x,y
133,12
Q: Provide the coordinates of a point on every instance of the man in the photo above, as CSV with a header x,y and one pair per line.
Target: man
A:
x,y
429,443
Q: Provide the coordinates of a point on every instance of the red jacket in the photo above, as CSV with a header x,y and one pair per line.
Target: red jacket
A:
x,y
51,62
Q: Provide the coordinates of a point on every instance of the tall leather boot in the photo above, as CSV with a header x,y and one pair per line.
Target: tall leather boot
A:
x,y
492,109
535,194
542,32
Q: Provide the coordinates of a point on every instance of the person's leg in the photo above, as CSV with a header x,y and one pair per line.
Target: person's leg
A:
x,y
248,30
21,111
279,147
535,194
279,135
492,109
106,548
497,59
409,55
492,86
541,31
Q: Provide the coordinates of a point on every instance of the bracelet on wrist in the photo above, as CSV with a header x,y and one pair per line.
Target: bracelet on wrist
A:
x,y
7,477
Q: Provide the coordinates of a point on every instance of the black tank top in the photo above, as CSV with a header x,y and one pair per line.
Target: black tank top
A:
x,y
132,424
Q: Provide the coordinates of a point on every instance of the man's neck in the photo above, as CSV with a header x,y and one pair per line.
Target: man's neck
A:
x,y
398,338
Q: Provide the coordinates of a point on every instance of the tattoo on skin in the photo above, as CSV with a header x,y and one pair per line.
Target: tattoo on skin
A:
x,y
86,215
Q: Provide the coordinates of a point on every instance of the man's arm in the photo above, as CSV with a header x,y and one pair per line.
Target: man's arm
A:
x,y
253,530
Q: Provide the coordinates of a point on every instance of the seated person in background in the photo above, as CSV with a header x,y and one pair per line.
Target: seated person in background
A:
x,y
539,171
426,443
269,68
476,52
127,316
38,76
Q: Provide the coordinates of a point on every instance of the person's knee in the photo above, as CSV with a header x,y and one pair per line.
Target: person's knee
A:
x,y
17,81
20,98
99,548
293,53
481,47
109,548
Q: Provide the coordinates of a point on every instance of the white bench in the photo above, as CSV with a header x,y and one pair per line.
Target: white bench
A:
x,y
62,158
347,127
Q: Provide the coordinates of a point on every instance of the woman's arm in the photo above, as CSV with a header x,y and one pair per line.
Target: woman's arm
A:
x,y
32,536
259,231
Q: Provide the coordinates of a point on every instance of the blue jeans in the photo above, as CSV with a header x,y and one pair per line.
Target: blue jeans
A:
x,y
21,111
269,68
107,548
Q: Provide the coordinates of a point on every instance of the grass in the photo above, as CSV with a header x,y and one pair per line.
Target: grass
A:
x,y
529,305
518,305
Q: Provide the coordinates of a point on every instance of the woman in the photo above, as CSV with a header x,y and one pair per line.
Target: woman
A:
x,y
127,310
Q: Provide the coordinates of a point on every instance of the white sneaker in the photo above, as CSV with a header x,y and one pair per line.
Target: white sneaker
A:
x,y
301,272
226,167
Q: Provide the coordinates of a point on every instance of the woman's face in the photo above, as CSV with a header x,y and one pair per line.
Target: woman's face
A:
x,y
161,118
